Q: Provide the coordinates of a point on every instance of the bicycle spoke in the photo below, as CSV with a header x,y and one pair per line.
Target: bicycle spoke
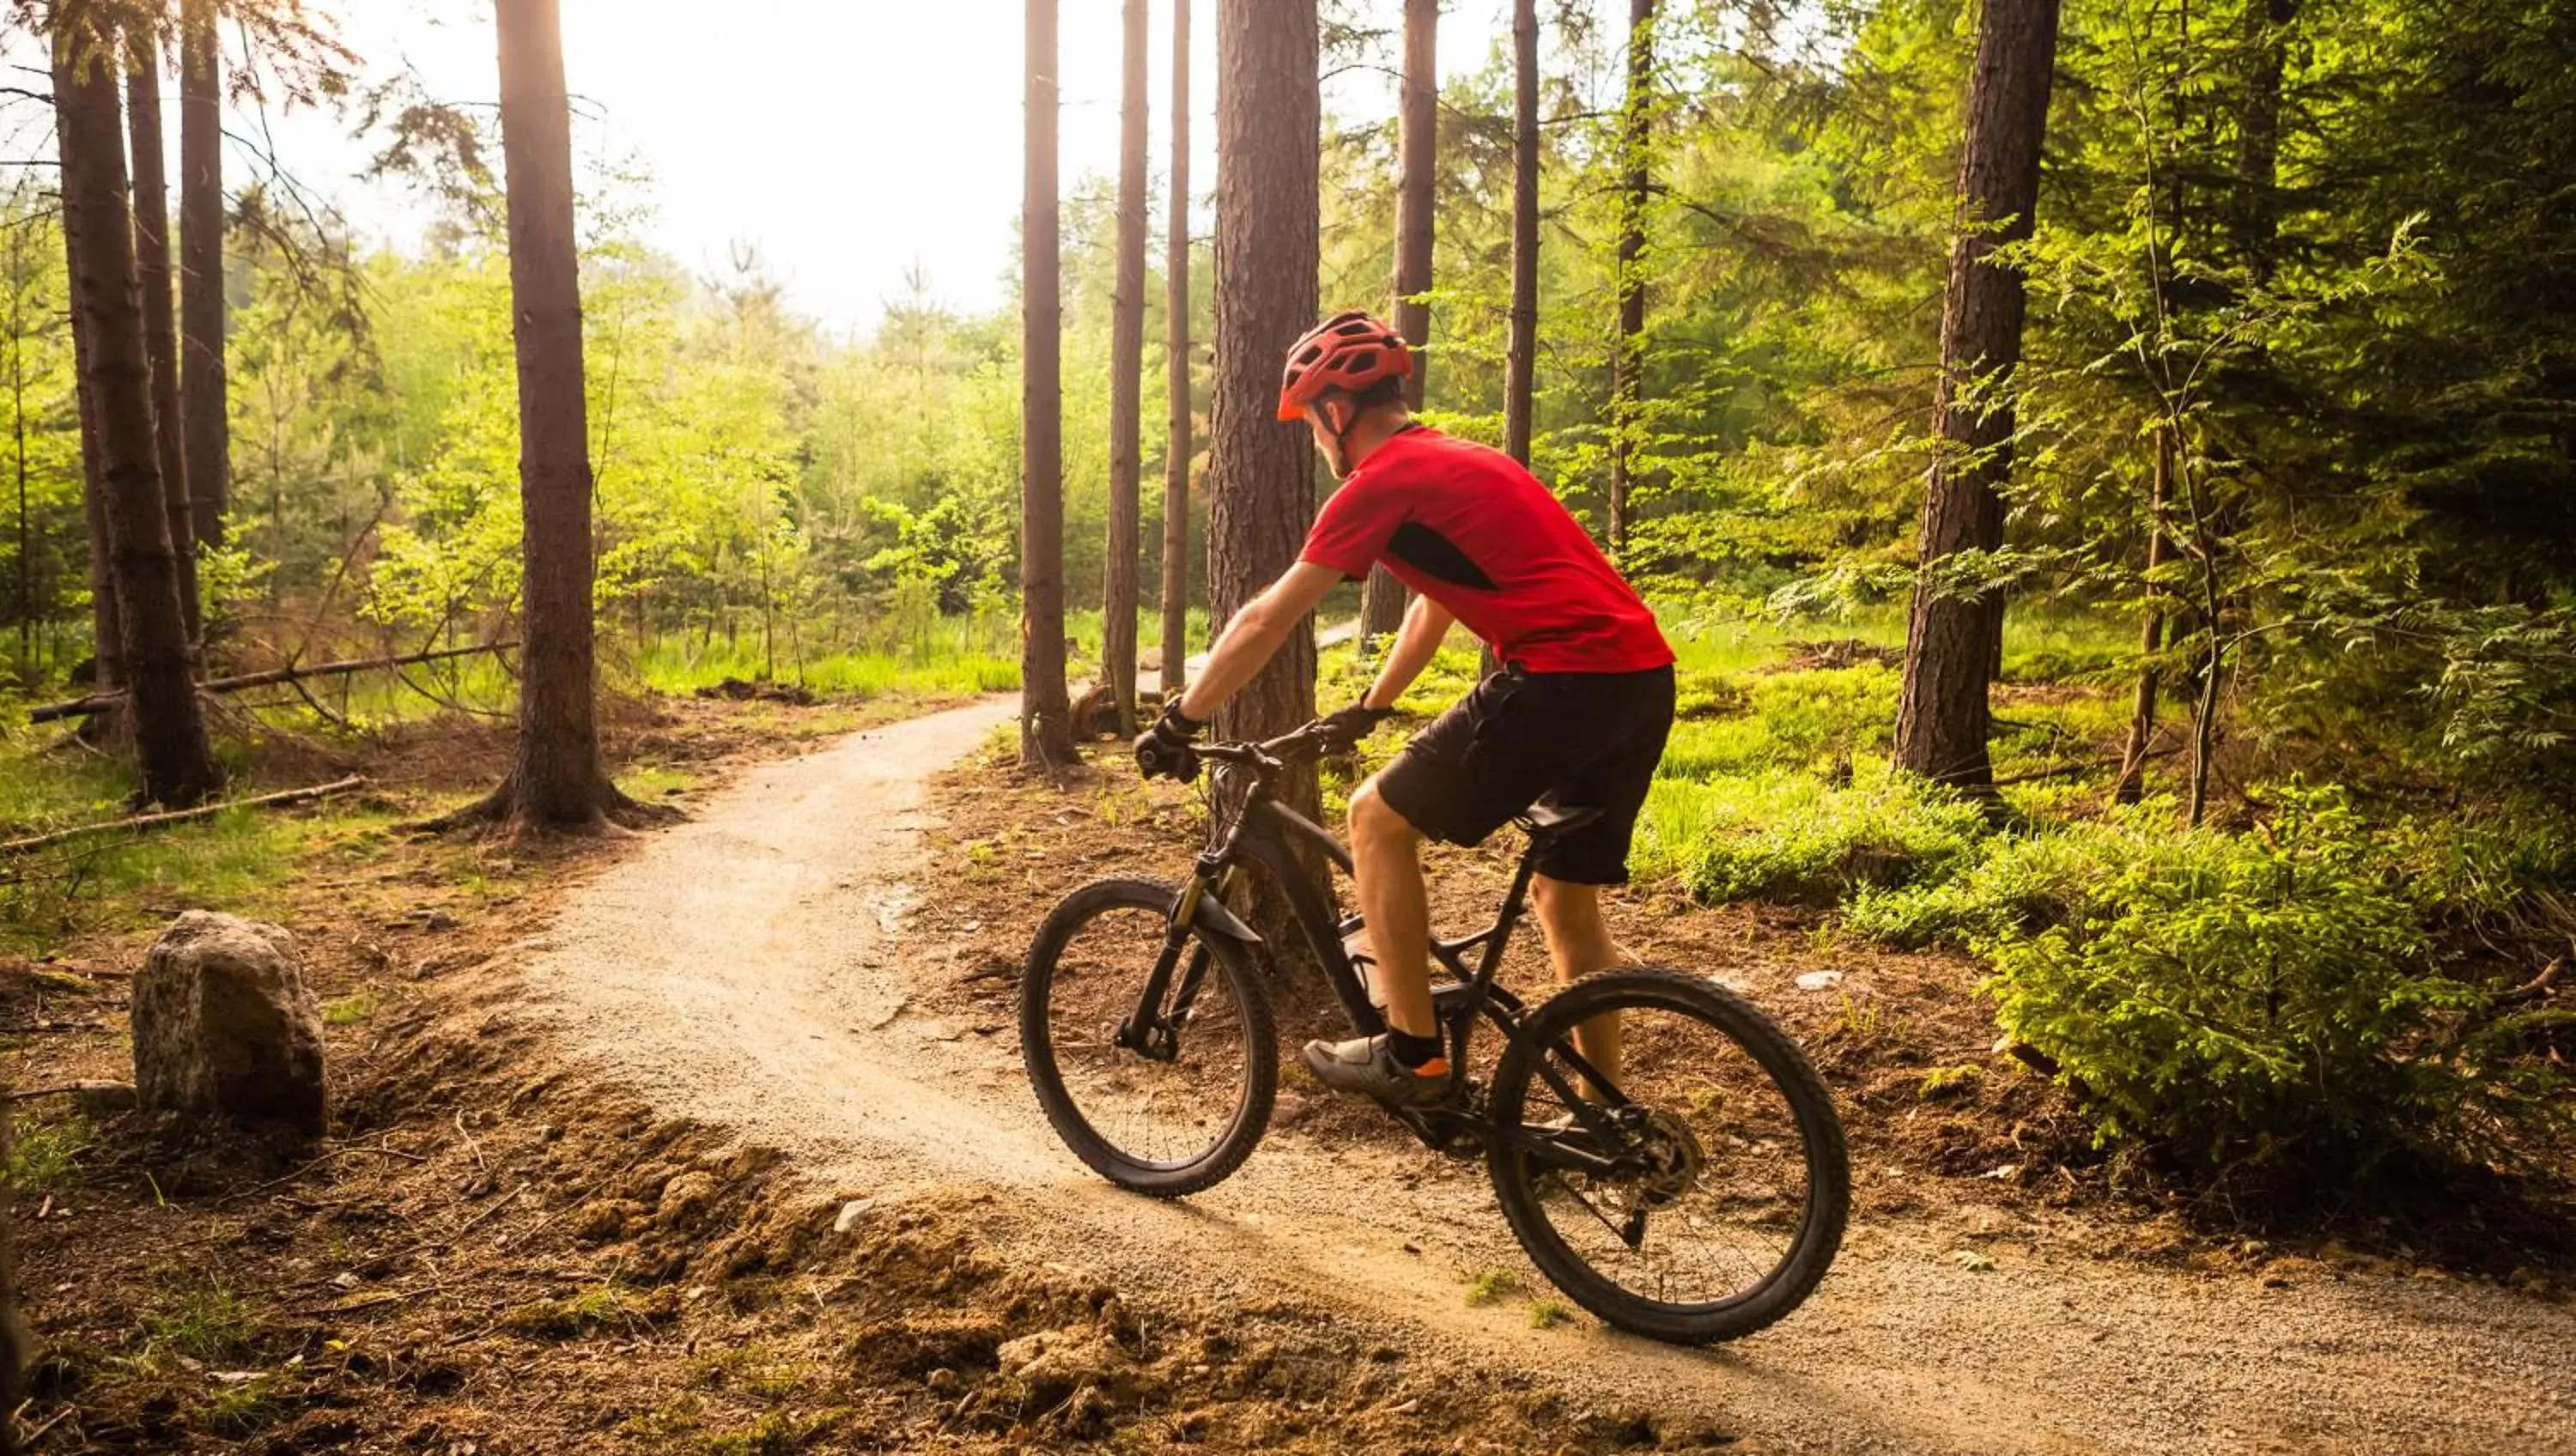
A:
x,y
1705,1186
1169,1093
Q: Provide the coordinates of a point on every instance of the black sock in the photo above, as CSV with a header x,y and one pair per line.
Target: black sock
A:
x,y
1411,1050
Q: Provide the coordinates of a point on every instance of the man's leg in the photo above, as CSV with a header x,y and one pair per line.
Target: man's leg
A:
x,y
1386,853
1579,942
1405,1064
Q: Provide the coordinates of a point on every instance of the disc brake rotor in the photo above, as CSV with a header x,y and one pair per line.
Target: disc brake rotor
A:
x,y
1672,1156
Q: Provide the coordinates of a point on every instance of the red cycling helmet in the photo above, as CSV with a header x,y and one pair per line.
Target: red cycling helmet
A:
x,y
1349,351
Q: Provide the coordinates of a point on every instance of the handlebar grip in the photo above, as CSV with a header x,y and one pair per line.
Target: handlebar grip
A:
x,y
1160,760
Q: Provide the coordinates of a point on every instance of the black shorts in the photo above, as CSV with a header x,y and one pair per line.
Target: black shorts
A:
x,y
1579,740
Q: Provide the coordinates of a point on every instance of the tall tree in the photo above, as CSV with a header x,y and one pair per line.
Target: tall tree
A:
x,y
1126,387
1417,168
107,629
1176,371
1520,363
1261,490
2131,783
1953,636
178,764
556,780
160,321
207,446
1046,709
1628,352
2257,213
14,1340
20,328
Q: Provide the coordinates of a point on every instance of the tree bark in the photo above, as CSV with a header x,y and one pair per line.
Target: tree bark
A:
x,y
1520,364
1260,472
1046,709
2258,209
14,1340
1628,353
107,632
2142,712
1383,600
1176,368
207,442
1952,643
1123,563
557,780
178,764
160,320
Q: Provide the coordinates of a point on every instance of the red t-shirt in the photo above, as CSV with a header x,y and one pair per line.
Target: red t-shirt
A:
x,y
1466,526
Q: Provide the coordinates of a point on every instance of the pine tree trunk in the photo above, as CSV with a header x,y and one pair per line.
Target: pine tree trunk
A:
x,y
2258,209
1952,643
1176,367
107,633
1383,600
557,780
1520,364
2142,710
178,764
1046,709
160,321
207,441
1628,354
1260,472
1121,566
14,1341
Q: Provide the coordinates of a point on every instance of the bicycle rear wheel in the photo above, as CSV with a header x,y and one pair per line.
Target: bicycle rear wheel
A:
x,y
1177,1108
1718,1203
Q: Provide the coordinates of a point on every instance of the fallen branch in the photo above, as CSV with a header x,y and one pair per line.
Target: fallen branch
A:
x,y
2070,770
2531,990
102,702
177,816
74,1089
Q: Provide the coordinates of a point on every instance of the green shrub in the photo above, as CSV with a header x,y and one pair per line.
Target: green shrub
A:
x,y
2012,884
1790,836
2241,997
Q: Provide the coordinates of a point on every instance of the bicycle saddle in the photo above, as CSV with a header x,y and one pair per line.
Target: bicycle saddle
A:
x,y
1543,818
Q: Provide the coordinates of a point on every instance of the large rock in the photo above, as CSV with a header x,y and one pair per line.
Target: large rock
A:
x,y
224,1027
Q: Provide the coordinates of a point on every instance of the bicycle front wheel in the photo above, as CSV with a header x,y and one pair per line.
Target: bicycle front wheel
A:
x,y
1718,1201
1164,1099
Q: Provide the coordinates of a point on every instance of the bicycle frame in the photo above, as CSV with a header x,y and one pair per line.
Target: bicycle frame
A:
x,y
1271,834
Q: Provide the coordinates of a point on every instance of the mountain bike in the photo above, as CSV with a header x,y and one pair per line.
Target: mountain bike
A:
x,y
1695,1193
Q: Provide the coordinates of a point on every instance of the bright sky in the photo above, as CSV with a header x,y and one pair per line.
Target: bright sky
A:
x,y
848,140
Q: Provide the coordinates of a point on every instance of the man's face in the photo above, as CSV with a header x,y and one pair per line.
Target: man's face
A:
x,y
1325,444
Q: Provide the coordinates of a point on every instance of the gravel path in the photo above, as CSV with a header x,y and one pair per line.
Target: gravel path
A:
x,y
752,968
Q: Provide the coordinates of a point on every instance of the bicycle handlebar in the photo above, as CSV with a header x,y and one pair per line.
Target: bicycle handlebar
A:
x,y
1274,755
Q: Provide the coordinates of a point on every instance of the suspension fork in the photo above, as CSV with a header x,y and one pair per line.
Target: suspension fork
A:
x,y
1152,1032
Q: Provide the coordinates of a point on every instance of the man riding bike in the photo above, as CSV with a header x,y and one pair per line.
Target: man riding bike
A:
x,y
1578,714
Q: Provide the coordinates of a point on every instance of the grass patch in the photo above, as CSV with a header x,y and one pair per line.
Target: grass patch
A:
x,y
201,1320
46,1156
775,1434
1547,1314
351,1009
587,1311
1490,1285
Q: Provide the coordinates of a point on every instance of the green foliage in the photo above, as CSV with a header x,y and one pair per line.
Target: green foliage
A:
x,y
1783,835
45,1156
2266,996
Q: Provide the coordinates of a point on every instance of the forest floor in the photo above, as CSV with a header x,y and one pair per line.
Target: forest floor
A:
x,y
715,1140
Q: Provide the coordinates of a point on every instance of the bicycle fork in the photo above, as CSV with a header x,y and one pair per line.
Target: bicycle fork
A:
x,y
1154,1032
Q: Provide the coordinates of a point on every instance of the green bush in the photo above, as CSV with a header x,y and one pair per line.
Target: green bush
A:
x,y
2012,884
2237,998
1790,836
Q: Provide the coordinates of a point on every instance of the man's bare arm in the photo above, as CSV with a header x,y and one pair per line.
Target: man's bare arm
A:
x,y
1426,625
1255,635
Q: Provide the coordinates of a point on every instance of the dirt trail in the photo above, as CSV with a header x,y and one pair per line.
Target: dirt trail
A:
x,y
752,968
